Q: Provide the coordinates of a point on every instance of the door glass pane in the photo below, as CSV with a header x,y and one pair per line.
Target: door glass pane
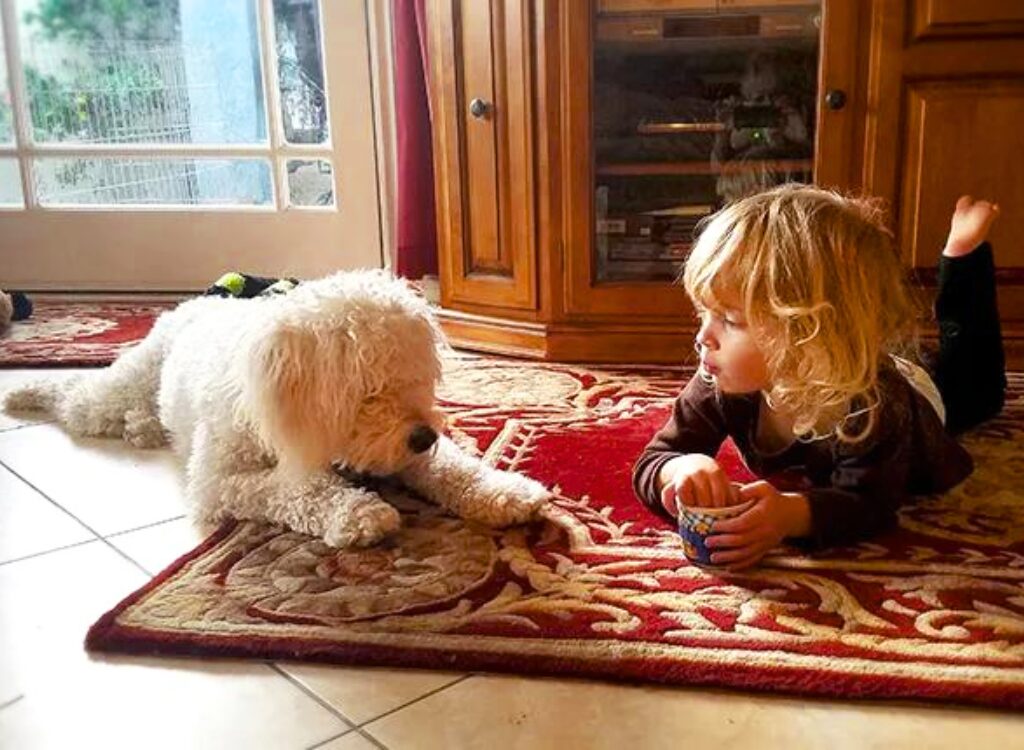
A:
x,y
694,108
143,71
310,182
300,70
6,111
153,182
10,183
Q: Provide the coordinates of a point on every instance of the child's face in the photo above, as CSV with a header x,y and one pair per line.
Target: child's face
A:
x,y
729,352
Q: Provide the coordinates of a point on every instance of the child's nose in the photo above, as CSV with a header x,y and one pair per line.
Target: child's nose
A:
x,y
704,337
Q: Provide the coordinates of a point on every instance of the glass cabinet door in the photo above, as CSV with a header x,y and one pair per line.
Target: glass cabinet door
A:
x,y
695,103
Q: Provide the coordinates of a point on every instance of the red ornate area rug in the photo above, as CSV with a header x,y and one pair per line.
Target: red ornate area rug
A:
x,y
933,609
77,334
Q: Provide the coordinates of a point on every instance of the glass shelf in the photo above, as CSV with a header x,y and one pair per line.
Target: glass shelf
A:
x,y
694,108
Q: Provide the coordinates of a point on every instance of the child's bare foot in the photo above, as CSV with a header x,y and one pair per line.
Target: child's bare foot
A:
x,y
969,226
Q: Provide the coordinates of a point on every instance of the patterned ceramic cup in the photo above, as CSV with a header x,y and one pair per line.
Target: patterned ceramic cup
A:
x,y
695,526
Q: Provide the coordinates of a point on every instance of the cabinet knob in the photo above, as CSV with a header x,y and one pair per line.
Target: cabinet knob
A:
x,y
479,108
835,99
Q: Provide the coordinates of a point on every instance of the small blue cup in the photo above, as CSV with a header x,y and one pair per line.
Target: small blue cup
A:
x,y
695,527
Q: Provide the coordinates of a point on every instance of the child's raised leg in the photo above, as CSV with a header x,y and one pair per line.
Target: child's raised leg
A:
x,y
970,370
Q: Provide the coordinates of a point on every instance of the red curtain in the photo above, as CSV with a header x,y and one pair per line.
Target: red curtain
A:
x,y
416,251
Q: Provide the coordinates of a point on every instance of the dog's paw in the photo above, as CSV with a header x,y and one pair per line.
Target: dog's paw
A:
x,y
361,523
504,498
143,430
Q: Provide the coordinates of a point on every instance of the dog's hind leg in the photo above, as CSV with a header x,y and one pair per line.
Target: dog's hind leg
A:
x,y
225,480
124,396
119,401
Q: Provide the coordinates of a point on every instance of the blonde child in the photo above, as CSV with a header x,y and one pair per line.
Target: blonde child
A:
x,y
803,312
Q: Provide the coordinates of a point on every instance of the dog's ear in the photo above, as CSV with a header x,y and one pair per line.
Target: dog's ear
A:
x,y
300,394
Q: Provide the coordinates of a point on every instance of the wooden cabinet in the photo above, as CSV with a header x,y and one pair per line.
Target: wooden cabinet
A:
x,y
577,142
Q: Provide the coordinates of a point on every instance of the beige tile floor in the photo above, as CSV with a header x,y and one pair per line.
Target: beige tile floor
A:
x,y
84,523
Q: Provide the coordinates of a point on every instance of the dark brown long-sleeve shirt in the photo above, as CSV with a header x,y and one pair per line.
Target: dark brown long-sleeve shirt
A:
x,y
855,487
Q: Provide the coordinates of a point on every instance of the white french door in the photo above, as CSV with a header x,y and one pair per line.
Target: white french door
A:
x,y
159,144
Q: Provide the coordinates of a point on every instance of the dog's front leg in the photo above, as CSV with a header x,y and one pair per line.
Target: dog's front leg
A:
x,y
238,484
320,504
468,487
325,505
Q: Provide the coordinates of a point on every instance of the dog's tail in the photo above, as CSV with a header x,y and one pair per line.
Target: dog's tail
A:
x,y
87,404
42,394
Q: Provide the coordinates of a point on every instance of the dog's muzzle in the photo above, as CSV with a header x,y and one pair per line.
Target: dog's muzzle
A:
x,y
421,439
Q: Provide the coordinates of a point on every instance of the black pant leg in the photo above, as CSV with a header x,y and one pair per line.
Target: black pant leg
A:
x,y
970,369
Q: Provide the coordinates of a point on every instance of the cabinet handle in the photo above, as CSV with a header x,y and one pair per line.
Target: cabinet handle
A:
x,y
479,108
835,99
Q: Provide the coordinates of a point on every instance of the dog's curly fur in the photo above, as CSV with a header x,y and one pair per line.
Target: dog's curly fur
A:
x,y
265,399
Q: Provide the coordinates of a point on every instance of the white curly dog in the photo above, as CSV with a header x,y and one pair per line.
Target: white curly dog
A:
x,y
274,404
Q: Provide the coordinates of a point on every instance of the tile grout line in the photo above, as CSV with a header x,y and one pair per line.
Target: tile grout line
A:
x,y
41,553
67,512
26,425
298,684
360,728
88,541
352,726
145,526
355,730
11,702
48,499
371,739
405,705
86,526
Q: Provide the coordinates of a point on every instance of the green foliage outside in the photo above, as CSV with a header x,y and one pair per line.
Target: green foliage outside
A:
x,y
85,21
68,107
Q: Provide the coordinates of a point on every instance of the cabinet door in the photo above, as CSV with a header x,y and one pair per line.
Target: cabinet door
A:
x,y
672,114
480,84
945,103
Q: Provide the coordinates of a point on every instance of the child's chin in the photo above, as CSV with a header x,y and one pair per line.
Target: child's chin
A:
x,y
732,388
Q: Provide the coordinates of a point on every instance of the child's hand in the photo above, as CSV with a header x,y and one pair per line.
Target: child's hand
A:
x,y
969,226
745,539
696,480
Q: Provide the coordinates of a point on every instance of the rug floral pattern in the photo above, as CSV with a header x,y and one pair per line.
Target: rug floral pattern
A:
x,y
933,609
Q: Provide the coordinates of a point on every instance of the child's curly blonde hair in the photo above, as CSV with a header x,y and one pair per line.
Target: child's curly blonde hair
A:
x,y
824,293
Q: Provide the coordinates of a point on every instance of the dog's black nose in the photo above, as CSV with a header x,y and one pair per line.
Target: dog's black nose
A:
x,y
421,439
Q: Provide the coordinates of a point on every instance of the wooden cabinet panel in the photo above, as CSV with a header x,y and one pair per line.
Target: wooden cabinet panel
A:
x,y
483,132
979,18
962,137
481,92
